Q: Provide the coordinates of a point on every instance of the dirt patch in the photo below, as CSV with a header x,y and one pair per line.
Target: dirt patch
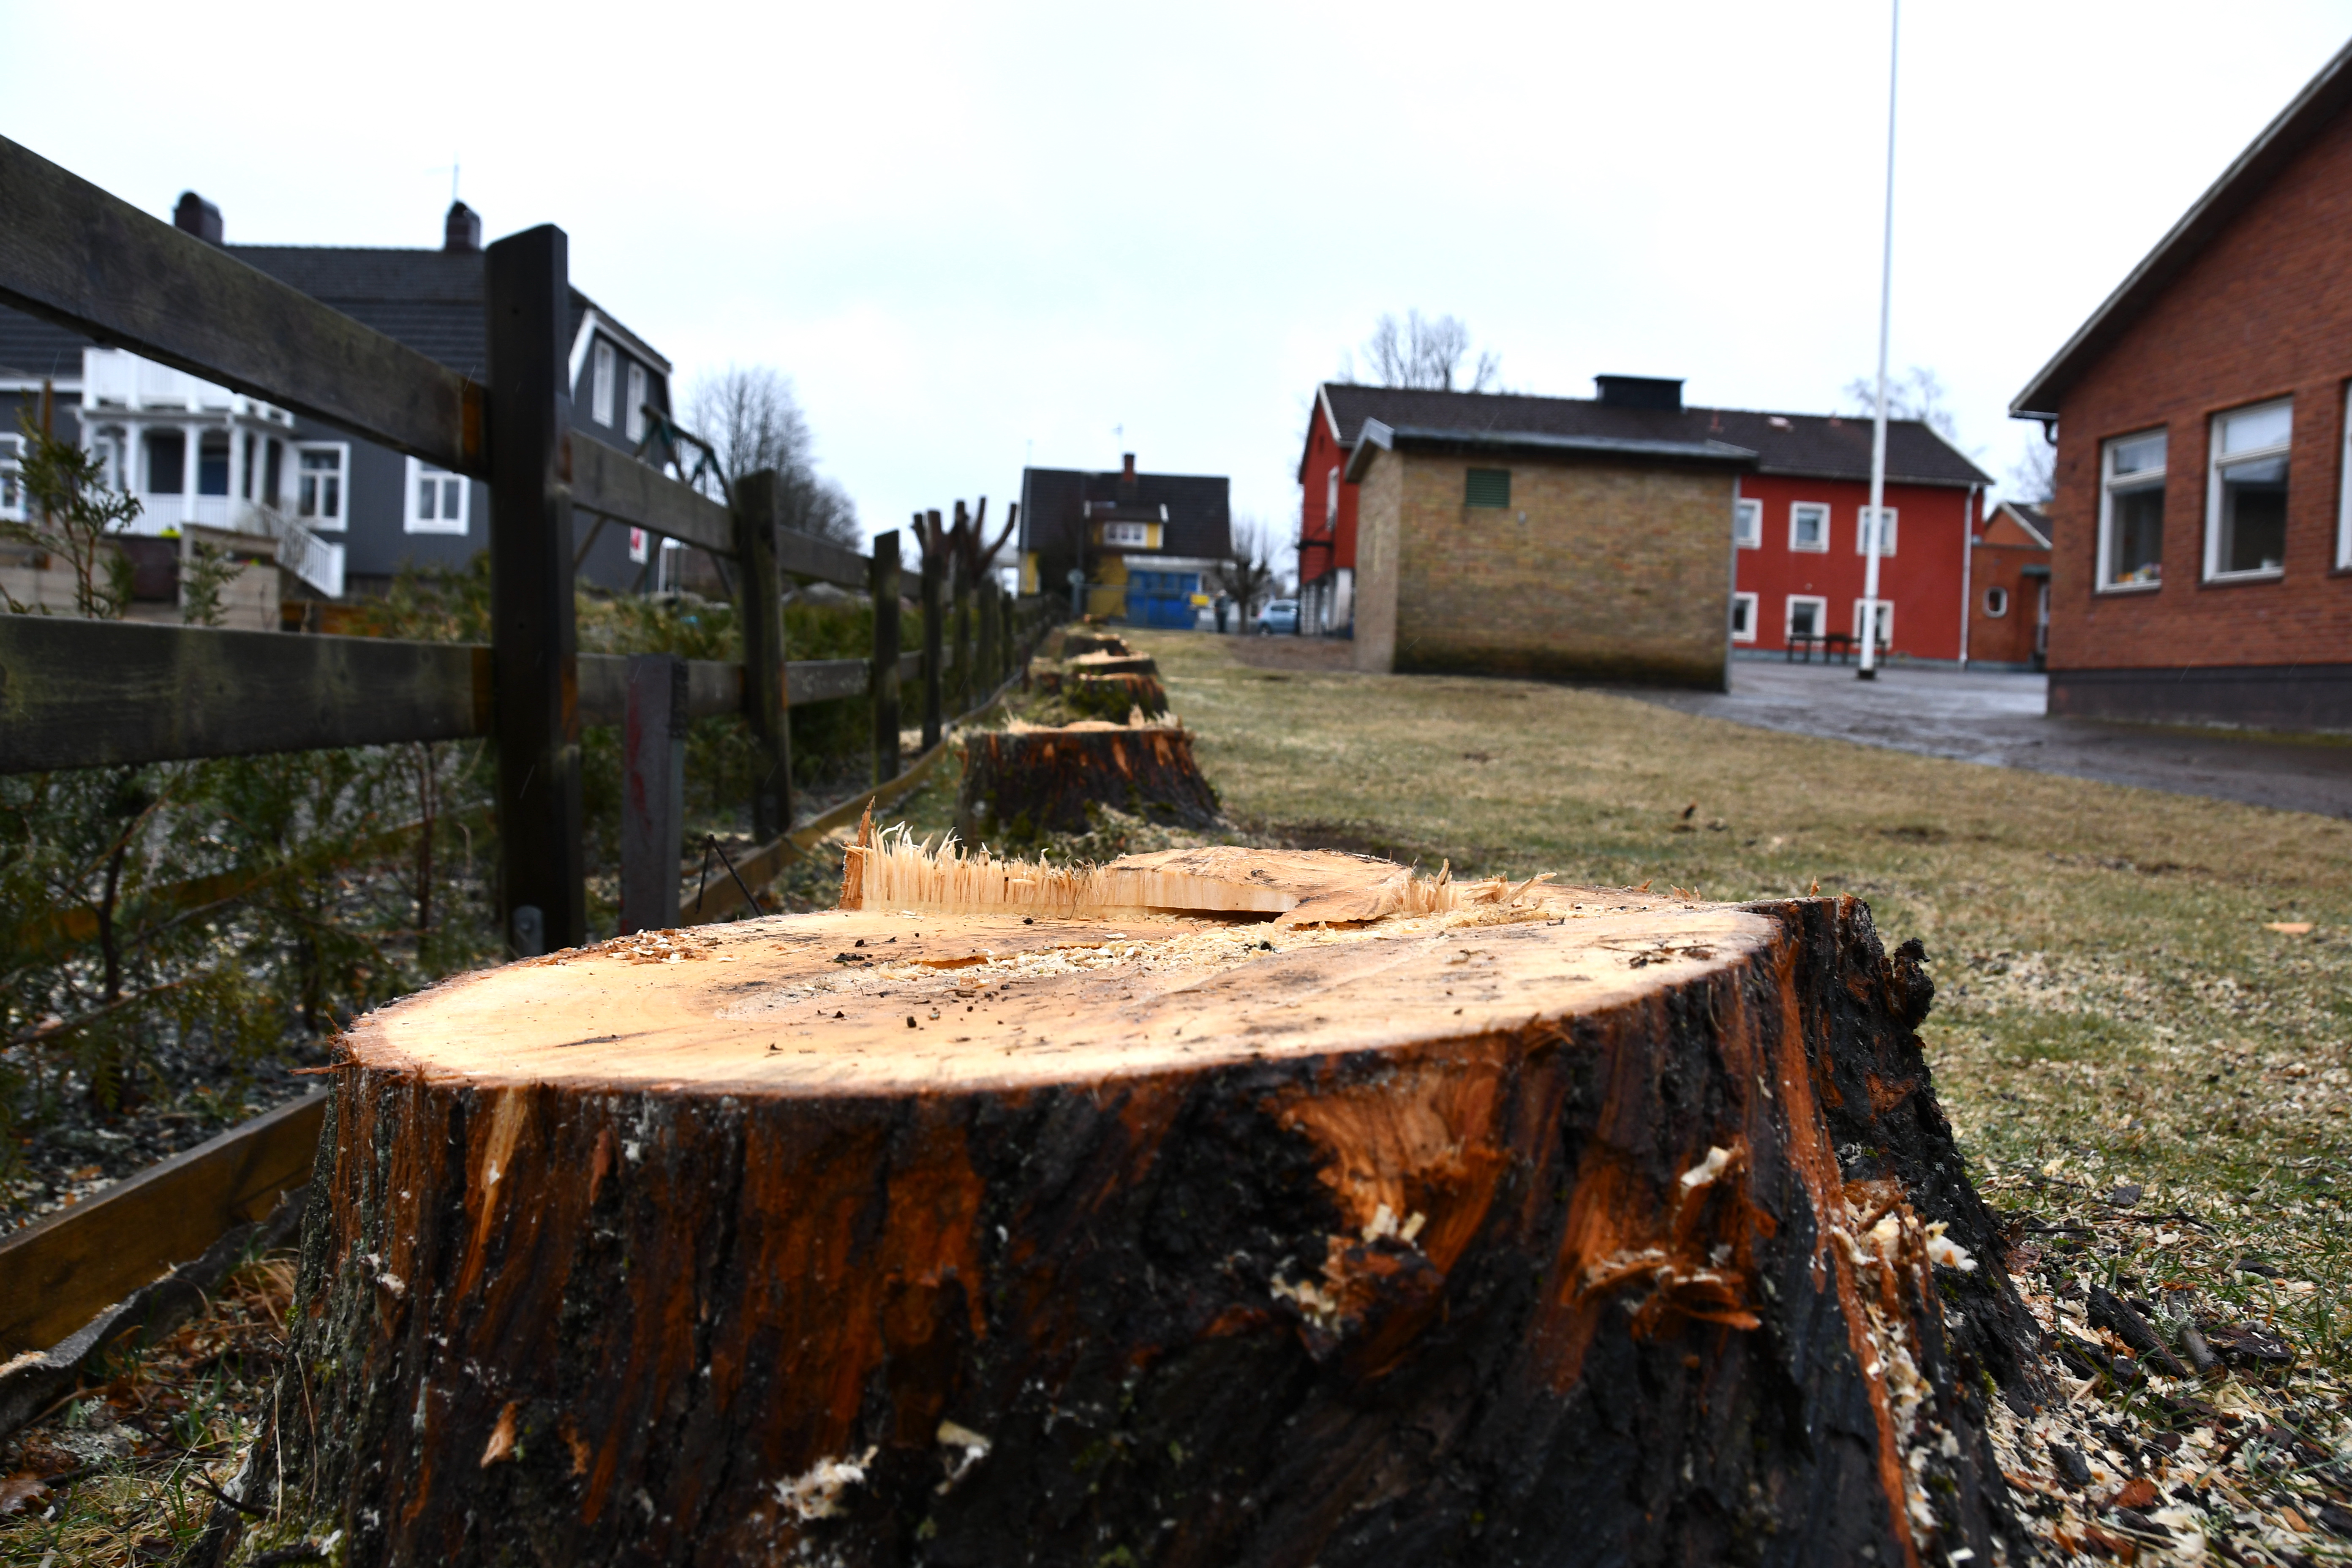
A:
x,y
1334,654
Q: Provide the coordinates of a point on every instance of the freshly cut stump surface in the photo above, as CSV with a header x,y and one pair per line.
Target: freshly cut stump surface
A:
x,y
1031,780
1498,1225
1115,697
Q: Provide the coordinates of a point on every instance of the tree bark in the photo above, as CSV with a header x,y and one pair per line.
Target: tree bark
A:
x,y
1556,1225
1078,642
1023,782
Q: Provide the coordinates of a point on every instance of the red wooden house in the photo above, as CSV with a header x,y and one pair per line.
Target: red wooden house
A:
x,y
2008,588
1796,526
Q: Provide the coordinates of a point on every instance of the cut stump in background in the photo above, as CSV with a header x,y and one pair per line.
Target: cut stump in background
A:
x,y
1113,664
1023,782
1513,1224
1076,643
1115,697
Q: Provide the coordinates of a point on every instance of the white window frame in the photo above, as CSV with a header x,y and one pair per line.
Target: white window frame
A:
x,y
1127,536
1821,603
1886,610
12,486
1747,524
1332,502
320,522
444,484
2109,487
2213,465
600,384
1798,507
2000,595
1893,522
634,420
1743,602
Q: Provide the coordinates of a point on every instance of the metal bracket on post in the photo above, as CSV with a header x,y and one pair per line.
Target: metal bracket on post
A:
x,y
653,791
883,686
766,701
535,678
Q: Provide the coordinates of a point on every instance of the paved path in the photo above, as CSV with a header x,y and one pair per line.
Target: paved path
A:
x,y
1997,719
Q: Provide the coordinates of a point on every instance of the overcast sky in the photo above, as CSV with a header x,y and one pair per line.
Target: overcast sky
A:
x,y
981,236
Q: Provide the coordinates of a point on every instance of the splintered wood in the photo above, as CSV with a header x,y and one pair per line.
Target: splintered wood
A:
x,y
1381,1218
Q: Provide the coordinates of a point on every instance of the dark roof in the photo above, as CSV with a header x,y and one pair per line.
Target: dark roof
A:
x,y
1199,507
2036,520
2321,99
429,300
1811,445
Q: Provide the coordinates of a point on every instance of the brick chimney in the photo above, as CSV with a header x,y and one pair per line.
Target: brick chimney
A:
x,y
198,216
1126,470
463,228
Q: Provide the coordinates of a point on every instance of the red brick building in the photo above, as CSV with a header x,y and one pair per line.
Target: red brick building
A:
x,y
2008,588
1796,519
2202,562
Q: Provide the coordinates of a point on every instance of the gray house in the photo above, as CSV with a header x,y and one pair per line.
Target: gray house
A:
x,y
346,513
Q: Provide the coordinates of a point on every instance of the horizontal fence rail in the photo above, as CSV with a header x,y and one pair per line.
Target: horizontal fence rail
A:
x,y
87,259
79,694
612,483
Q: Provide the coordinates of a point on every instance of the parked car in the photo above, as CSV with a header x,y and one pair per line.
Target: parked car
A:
x,y
1279,618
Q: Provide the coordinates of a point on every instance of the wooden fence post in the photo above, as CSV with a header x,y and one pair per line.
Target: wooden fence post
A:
x,y
653,791
960,559
990,662
542,890
885,683
767,701
927,528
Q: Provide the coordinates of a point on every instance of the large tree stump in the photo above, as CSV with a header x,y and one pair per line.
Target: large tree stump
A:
x,y
1026,781
1113,664
1492,1225
1112,698
1077,643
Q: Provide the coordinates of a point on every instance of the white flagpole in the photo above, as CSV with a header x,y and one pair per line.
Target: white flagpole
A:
x,y
1869,629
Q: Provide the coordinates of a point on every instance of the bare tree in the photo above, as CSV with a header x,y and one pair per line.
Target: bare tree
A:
x,y
1424,354
2033,478
1248,577
752,421
1916,394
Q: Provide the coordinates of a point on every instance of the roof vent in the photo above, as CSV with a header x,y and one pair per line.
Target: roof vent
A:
x,y
463,230
198,216
1639,392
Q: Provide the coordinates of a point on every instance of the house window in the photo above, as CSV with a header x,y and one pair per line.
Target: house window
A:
x,y
1808,615
1808,526
320,475
2344,502
1132,535
1331,501
1743,617
2131,511
1886,523
437,500
1995,602
1747,524
167,460
1881,624
599,398
12,487
636,417
2245,506
637,551
1487,487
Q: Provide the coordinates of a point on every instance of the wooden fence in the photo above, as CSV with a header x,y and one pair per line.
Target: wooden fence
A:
x,y
80,694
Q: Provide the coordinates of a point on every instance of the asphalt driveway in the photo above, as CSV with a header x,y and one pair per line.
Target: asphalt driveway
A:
x,y
1997,719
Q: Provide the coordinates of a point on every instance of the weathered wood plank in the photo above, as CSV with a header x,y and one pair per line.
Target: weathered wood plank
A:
x,y
889,669
59,1271
87,259
78,694
612,483
712,686
805,555
811,680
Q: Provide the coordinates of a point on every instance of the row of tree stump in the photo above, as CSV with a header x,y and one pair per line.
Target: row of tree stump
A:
x,y
1027,781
